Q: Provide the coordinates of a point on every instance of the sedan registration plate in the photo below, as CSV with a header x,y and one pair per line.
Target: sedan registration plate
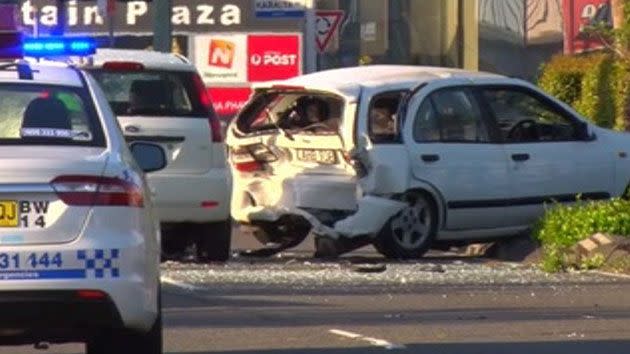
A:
x,y
327,157
9,216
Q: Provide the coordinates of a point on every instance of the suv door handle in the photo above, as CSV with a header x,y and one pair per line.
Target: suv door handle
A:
x,y
520,157
132,129
430,158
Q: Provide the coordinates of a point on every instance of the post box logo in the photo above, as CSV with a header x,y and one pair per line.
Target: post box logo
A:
x,y
221,53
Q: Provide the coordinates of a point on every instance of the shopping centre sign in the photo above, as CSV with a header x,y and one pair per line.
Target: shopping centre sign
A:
x,y
136,16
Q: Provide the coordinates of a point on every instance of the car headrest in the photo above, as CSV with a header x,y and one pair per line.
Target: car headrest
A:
x,y
47,113
151,94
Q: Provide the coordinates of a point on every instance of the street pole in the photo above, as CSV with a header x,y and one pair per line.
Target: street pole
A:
x,y
162,27
310,52
110,29
60,28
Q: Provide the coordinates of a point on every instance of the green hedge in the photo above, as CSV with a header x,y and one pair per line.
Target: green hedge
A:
x,y
622,96
586,83
563,226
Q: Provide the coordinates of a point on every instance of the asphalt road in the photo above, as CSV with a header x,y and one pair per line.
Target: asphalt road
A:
x,y
224,313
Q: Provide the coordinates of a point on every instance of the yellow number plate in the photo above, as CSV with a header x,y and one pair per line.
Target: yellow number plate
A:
x,y
9,216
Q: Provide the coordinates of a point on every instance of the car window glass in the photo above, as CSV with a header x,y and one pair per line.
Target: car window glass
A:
x,y
458,116
151,93
383,121
51,115
523,117
295,112
426,127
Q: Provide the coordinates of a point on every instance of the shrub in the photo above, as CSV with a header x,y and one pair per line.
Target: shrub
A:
x,y
563,226
622,95
584,82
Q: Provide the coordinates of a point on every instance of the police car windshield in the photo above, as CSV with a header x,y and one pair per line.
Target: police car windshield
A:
x,y
151,93
33,114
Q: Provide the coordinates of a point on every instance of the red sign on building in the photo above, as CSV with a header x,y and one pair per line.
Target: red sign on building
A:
x,y
273,57
578,14
227,101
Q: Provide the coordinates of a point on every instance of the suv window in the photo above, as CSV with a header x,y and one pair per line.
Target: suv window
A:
x,y
47,115
152,93
524,117
450,115
293,111
383,121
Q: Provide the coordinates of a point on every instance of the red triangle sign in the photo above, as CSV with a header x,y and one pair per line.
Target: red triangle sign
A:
x,y
326,25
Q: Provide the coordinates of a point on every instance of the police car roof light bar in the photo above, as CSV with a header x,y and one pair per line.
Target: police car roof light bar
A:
x,y
43,47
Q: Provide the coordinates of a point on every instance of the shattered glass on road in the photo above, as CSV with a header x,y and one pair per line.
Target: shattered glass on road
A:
x,y
352,274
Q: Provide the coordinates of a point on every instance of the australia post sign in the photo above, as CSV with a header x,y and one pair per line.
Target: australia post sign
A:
x,y
578,14
248,57
229,62
188,16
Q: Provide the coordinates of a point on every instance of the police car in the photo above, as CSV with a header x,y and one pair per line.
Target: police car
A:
x,y
79,247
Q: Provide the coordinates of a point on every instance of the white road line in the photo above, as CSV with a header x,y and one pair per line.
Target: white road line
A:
x,y
177,283
372,341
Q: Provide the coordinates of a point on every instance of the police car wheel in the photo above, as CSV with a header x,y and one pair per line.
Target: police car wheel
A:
x,y
214,241
129,342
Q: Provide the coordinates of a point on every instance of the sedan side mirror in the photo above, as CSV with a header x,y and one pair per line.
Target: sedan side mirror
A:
x,y
150,157
582,131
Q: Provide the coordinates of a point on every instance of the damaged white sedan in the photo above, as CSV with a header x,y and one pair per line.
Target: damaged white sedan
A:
x,y
403,157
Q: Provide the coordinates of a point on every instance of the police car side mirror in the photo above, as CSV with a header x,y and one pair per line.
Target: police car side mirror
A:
x,y
150,157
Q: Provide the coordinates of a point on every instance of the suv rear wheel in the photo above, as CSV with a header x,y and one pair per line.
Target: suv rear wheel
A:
x,y
214,241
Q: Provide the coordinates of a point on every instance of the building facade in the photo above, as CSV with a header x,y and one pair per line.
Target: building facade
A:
x,y
233,43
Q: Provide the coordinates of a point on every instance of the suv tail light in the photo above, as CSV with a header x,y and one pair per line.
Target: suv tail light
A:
x,y
213,120
97,191
123,66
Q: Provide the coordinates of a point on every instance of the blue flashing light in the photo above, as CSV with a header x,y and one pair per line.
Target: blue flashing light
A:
x,y
55,47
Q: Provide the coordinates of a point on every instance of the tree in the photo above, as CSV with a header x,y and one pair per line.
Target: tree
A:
x,y
617,13
621,26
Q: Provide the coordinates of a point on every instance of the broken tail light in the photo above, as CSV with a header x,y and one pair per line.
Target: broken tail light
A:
x,y
353,159
252,158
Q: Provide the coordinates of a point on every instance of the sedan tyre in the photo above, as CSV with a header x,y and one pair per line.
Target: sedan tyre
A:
x,y
409,233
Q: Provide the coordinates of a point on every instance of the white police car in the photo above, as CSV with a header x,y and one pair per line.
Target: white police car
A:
x,y
79,247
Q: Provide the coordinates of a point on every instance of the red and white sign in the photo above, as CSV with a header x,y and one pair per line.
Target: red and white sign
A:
x,y
577,15
273,57
327,23
227,101
221,58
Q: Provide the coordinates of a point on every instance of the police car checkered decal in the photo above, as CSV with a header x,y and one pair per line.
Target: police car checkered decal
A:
x,y
100,263
72,264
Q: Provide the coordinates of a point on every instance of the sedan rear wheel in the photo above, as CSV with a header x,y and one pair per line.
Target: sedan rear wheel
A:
x,y
410,232
125,341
